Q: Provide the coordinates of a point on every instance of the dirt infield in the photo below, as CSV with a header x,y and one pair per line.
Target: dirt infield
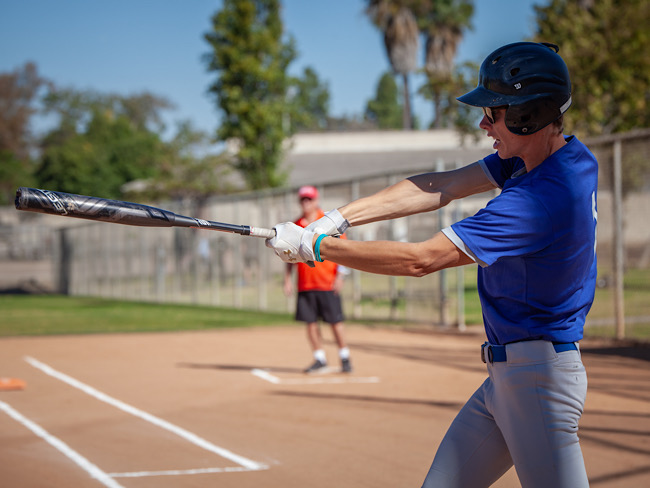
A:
x,y
230,408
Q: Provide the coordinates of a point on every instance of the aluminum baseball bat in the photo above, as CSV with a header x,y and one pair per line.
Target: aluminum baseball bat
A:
x,y
119,212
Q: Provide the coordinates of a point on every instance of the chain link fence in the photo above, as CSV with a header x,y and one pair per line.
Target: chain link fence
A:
x,y
227,270
622,305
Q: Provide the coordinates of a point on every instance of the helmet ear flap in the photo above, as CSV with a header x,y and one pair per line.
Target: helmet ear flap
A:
x,y
523,119
529,117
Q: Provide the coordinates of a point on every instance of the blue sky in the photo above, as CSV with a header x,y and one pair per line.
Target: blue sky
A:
x,y
129,46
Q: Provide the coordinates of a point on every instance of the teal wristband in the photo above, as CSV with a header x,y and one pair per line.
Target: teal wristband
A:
x,y
317,247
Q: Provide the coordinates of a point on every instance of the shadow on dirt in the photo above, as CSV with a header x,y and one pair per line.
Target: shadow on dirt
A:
x,y
371,399
239,367
626,349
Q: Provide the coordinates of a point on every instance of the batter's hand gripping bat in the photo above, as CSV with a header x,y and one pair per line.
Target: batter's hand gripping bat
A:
x,y
116,211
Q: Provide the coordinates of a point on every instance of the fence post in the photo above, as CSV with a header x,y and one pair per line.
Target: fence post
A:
x,y
160,259
65,263
619,307
442,274
392,280
238,276
356,274
460,280
262,274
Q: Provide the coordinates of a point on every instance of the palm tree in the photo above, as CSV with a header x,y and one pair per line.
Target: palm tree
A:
x,y
401,37
443,23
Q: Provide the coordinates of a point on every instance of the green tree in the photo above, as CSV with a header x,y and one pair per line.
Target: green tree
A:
x,y
187,169
13,174
19,92
443,23
310,100
450,112
251,60
385,109
604,44
401,37
100,142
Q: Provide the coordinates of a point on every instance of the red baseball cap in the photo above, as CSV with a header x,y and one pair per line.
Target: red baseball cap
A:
x,y
308,192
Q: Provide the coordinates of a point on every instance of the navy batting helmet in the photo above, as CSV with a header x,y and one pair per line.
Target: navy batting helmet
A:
x,y
530,78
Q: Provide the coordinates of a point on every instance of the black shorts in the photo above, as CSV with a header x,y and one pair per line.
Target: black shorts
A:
x,y
312,305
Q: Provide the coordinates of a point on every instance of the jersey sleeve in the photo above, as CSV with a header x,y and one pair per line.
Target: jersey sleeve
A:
x,y
512,224
500,170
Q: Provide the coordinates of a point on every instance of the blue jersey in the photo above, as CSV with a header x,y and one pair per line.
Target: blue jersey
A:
x,y
536,246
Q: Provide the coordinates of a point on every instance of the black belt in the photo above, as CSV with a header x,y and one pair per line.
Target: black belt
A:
x,y
497,354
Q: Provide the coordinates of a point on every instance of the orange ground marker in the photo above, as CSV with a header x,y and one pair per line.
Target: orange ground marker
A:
x,y
7,384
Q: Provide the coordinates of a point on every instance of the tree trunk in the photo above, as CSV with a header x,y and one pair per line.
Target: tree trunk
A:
x,y
406,112
437,119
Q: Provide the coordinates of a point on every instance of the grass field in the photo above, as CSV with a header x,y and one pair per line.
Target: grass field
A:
x,y
56,314
30,315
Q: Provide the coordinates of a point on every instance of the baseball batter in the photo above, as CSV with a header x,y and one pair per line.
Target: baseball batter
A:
x,y
535,247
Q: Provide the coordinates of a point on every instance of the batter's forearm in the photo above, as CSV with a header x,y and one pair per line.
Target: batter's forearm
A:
x,y
399,200
394,258
417,194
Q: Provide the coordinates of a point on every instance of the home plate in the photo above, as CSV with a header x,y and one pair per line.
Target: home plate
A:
x,y
8,384
310,380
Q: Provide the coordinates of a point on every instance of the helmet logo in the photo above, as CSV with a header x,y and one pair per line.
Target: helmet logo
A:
x,y
517,86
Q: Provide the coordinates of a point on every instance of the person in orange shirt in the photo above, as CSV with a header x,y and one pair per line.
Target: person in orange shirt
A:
x,y
318,292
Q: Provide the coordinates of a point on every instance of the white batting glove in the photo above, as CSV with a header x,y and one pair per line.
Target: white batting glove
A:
x,y
332,224
292,243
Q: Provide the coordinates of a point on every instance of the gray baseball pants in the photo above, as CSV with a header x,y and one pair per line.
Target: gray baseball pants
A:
x,y
526,413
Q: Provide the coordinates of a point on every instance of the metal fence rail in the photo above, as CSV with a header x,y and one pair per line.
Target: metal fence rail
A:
x,y
219,269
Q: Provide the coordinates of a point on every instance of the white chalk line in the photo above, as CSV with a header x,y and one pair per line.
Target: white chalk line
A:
x,y
266,376
248,464
62,447
179,472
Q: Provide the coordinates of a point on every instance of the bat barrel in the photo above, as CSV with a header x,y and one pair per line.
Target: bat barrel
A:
x,y
42,201
92,208
115,211
29,199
